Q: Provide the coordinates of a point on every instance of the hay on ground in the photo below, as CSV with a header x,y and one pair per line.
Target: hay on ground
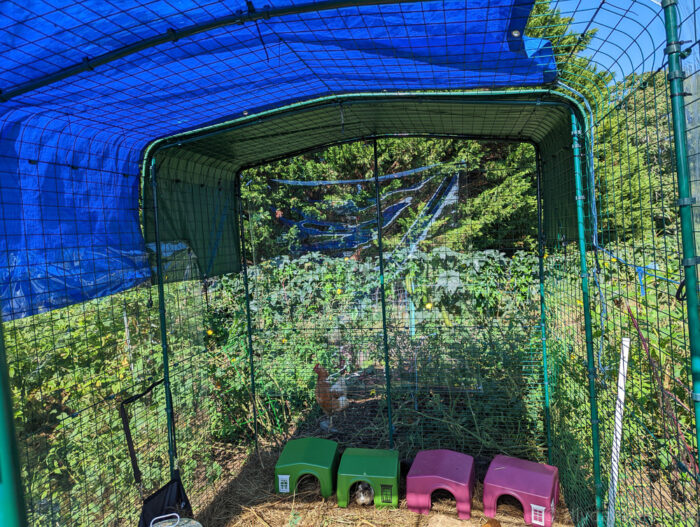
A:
x,y
248,500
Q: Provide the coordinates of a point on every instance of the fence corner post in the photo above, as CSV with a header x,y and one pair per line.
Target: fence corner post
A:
x,y
12,504
543,306
172,448
385,337
685,201
249,317
580,197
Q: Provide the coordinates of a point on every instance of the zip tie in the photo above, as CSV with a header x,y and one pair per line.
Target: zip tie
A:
x,y
696,397
679,74
342,119
690,262
580,198
680,295
673,47
686,201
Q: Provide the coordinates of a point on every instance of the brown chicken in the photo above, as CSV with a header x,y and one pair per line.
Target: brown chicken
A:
x,y
332,398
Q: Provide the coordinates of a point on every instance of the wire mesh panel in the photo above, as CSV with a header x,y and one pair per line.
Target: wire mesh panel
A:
x,y
633,251
638,276
463,317
566,347
385,301
69,420
318,329
70,369
463,346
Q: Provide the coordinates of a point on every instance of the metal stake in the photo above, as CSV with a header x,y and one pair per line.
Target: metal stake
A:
x,y
675,77
387,370
249,324
172,448
11,491
543,309
580,217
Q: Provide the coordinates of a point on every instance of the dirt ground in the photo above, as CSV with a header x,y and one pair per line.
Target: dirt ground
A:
x,y
248,500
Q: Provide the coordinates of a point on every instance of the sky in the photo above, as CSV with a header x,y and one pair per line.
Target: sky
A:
x,y
630,37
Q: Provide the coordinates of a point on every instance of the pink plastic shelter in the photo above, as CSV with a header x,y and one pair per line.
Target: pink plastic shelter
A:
x,y
440,469
535,485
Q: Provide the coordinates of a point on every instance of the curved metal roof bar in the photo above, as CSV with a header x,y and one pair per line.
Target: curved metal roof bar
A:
x,y
239,18
487,97
602,58
172,35
464,137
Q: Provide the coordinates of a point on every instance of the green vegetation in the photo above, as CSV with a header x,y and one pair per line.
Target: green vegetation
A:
x,y
308,308
467,374
498,188
463,315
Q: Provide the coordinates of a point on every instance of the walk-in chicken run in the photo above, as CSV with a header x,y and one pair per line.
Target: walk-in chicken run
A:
x,y
349,263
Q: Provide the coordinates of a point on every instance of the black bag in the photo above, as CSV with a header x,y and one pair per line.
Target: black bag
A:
x,y
170,498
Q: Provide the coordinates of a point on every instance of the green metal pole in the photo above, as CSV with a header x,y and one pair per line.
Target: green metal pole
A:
x,y
172,449
543,308
12,507
249,318
380,225
685,201
580,217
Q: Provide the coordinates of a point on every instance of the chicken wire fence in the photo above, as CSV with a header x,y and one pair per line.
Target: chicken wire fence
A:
x,y
447,350
444,322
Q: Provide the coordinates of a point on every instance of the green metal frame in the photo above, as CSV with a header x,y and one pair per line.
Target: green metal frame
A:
x,y
685,201
577,136
172,448
171,35
567,101
500,97
249,318
149,163
12,507
543,307
385,335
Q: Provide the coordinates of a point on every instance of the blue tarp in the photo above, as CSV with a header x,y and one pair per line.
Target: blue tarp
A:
x,y
70,151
